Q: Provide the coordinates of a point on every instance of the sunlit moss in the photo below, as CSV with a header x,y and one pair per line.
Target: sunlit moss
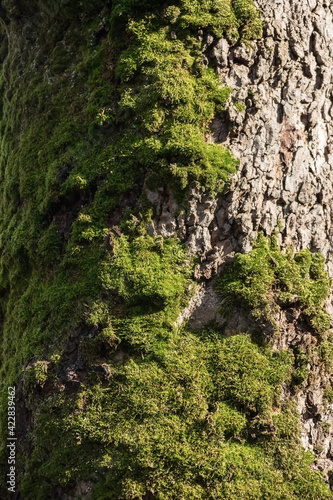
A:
x,y
267,278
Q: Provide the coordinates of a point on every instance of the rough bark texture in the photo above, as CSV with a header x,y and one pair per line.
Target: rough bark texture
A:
x,y
279,123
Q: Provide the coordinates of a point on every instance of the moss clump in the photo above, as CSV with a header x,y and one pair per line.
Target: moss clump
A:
x,y
169,95
197,414
326,354
267,279
328,395
35,375
148,270
240,106
223,18
302,367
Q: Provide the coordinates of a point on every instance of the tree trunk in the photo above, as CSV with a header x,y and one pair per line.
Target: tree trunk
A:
x,y
165,319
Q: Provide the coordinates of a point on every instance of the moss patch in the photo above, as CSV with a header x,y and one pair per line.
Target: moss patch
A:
x,y
266,279
197,417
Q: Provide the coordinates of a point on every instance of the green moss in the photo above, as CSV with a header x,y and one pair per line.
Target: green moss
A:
x,y
35,375
267,279
224,18
196,414
302,363
164,83
240,106
326,426
147,269
328,395
326,354
88,113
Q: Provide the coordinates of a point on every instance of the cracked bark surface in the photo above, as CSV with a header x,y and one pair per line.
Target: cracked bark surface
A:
x,y
284,137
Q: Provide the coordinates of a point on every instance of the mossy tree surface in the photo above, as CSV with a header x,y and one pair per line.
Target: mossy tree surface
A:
x,y
95,99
